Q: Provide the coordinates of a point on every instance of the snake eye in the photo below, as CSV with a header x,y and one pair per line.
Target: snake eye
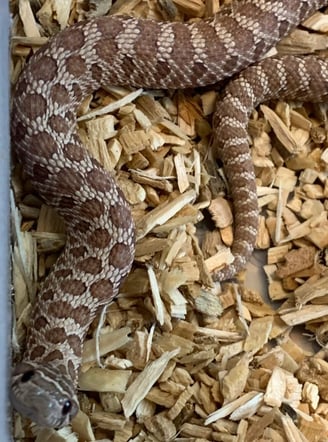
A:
x,y
27,375
66,407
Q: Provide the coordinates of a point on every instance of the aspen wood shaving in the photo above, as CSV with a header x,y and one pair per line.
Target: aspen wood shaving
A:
x,y
143,383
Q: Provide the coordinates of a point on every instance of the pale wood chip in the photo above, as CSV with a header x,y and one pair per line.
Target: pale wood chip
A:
x,y
108,421
112,106
277,254
182,175
234,382
221,258
82,426
259,332
161,426
310,394
158,303
133,142
227,409
302,42
30,26
291,431
139,388
221,212
54,8
282,132
311,290
108,341
50,435
280,386
163,213
317,22
180,403
307,313
194,8
248,409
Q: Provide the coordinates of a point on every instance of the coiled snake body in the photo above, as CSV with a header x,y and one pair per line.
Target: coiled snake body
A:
x,y
100,232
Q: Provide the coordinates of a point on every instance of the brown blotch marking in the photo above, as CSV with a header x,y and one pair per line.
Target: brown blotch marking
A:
x,y
75,343
60,94
42,145
62,310
182,49
120,216
129,66
211,51
58,124
53,356
81,227
63,273
102,290
74,152
62,369
268,22
66,182
97,73
163,68
146,43
76,66
77,91
34,105
56,335
37,352
71,369
18,132
73,287
90,265
59,309
78,251
100,238
40,322
44,68
120,256
93,208
31,341
48,295
21,86
109,29
100,179
64,203
81,315
40,173
72,39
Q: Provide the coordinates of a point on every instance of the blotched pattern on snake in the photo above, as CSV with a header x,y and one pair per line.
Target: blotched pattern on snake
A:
x,y
100,232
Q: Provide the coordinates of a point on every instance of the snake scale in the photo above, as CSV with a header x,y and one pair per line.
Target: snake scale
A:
x,y
100,231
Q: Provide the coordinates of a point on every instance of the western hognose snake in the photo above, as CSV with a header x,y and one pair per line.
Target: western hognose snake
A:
x,y
100,245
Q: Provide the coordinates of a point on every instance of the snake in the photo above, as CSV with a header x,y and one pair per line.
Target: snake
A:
x,y
99,251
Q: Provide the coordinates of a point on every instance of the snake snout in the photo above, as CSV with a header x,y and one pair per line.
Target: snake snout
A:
x,y
40,394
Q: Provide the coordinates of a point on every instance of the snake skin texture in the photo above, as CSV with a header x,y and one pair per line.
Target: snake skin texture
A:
x,y
100,231
289,77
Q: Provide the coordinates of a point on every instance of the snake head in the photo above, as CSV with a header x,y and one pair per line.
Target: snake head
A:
x,y
44,394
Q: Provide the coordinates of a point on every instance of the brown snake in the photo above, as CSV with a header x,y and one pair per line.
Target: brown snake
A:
x,y
100,231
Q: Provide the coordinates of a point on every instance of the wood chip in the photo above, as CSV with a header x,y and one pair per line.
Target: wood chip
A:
x,y
138,390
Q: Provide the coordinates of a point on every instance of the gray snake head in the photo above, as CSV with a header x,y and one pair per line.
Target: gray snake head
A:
x,y
43,394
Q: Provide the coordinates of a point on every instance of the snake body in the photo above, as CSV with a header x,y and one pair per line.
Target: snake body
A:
x,y
100,231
